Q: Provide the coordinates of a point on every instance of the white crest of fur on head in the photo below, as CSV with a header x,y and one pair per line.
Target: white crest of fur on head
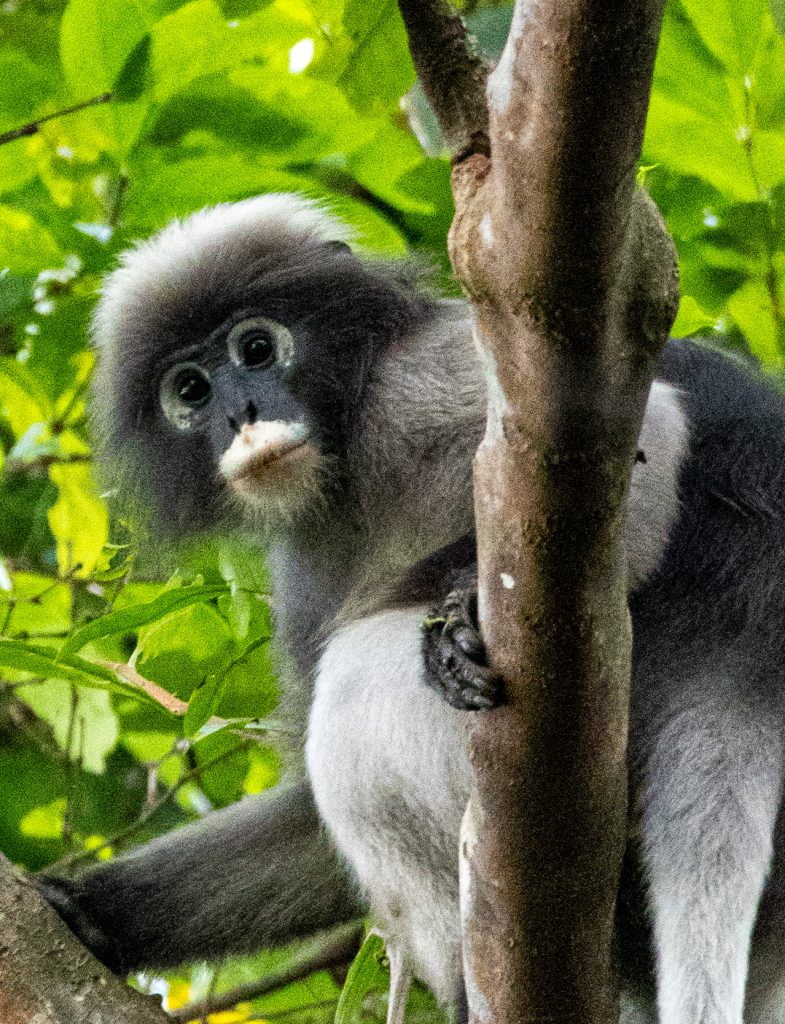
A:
x,y
183,244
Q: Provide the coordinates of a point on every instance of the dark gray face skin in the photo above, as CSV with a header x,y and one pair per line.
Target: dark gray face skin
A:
x,y
240,374
389,388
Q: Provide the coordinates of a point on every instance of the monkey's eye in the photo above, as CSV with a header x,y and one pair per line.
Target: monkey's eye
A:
x,y
185,389
257,343
257,349
192,387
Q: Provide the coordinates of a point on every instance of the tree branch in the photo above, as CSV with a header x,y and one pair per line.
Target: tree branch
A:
x,y
153,690
70,860
573,282
46,974
452,75
331,950
33,127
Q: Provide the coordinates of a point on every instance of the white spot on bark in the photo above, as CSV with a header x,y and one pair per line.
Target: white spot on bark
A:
x,y
500,81
507,581
486,230
498,406
482,604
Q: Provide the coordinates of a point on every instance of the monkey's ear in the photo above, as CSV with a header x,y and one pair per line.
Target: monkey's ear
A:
x,y
335,245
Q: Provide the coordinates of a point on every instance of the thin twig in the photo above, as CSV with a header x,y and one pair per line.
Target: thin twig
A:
x,y
771,276
33,127
453,76
120,837
116,205
10,608
336,948
39,462
161,696
69,766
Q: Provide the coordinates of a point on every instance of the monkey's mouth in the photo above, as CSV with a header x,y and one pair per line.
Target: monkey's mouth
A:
x,y
261,449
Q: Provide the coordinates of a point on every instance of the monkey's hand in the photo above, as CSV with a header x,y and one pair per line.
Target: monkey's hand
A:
x,y
456,664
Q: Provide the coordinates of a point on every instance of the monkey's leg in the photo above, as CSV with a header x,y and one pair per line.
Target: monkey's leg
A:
x,y
257,874
711,792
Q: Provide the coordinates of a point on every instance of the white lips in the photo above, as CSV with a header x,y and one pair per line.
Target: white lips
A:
x,y
258,444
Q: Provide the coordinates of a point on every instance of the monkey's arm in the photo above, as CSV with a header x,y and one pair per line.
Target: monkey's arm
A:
x,y
254,875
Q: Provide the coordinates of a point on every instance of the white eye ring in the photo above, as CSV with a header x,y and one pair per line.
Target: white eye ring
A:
x,y
181,412
260,328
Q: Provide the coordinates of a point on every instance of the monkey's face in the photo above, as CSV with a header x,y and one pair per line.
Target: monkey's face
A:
x,y
236,392
236,351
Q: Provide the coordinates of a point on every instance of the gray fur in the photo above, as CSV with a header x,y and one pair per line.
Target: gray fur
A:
x,y
259,873
708,809
390,380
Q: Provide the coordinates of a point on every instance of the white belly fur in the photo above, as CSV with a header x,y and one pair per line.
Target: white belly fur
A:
x,y
389,770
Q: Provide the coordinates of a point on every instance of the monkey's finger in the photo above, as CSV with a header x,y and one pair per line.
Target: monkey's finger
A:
x,y
469,641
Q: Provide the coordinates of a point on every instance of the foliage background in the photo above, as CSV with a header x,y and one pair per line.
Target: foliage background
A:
x,y
214,100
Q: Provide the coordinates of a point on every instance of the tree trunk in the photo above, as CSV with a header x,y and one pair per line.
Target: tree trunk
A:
x,y
573,282
47,976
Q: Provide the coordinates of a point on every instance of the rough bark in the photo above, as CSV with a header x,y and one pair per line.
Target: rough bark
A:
x,y
573,281
46,974
452,75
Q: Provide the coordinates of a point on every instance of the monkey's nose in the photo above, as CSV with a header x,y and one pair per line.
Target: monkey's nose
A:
x,y
251,416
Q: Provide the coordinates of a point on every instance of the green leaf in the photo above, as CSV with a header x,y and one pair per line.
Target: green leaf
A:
x,y
26,247
369,973
382,164
693,145
182,649
96,38
767,92
325,12
46,821
222,782
691,319
35,660
22,401
191,42
687,73
25,85
778,13
251,689
40,605
203,703
130,619
83,718
131,81
308,119
730,28
379,69
160,191
371,230
78,519
752,309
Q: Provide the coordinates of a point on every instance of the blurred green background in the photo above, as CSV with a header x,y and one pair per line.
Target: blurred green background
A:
x,y
185,104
